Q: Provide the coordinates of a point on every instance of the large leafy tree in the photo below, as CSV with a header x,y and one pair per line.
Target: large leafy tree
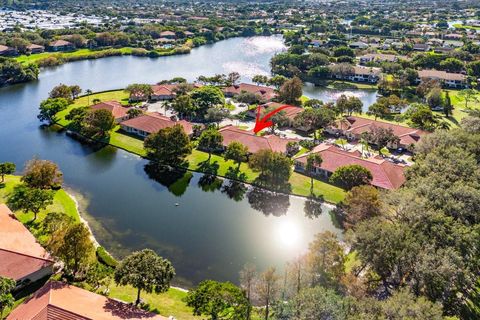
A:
x,y
98,123
183,106
145,270
6,168
6,298
210,140
274,167
42,174
50,107
218,300
207,97
30,199
169,146
350,176
314,119
267,289
360,203
139,91
291,91
236,152
76,249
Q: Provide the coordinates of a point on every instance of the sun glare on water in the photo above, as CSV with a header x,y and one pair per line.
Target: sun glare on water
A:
x,y
288,234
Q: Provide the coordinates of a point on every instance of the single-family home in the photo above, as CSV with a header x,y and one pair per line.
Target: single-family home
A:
x,y
385,174
421,47
119,112
361,74
35,48
168,35
166,91
449,79
150,123
22,258
380,57
189,34
59,300
7,51
253,142
265,93
353,127
60,45
358,45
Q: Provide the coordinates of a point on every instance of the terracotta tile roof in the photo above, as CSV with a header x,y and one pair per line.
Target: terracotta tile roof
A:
x,y
152,122
20,253
35,46
57,300
167,33
60,43
359,125
290,112
367,70
253,142
386,175
266,93
443,75
115,107
4,48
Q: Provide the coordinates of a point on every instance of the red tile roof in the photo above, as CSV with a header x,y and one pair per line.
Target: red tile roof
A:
x,y
115,107
386,174
266,93
358,125
164,89
443,75
57,300
60,43
20,253
253,142
290,112
152,122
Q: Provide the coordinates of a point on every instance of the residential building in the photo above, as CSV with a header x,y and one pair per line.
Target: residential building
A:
x,y
61,45
59,300
253,142
451,80
150,123
421,47
361,74
166,91
119,112
353,127
35,48
7,51
22,258
358,45
385,174
265,93
380,57
168,35
290,112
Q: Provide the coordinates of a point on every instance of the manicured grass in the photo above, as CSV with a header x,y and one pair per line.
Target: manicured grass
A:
x,y
166,304
62,202
301,186
117,95
78,54
461,26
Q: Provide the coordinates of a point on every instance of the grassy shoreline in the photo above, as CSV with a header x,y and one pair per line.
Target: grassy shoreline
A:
x,y
169,303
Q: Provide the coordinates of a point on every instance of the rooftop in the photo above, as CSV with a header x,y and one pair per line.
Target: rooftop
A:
x,y
152,122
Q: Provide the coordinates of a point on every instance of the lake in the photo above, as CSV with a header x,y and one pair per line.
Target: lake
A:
x,y
205,229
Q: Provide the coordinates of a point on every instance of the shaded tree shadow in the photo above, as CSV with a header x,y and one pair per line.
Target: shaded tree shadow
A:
x,y
313,206
234,190
235,174
209,183
209,167
267,202
174,179
277,186
126,311
337,215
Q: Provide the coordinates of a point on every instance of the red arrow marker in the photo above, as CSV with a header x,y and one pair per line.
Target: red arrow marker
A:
x,y
261,124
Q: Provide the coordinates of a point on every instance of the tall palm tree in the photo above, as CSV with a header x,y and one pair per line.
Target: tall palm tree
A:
x,y
88,92
313,160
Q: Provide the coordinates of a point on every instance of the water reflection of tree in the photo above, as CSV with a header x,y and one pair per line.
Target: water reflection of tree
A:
x,y
209,182
176,180
267,202
234,190
313,207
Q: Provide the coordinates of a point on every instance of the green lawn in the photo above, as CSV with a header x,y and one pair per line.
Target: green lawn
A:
x,y
78,54
166,304
62,202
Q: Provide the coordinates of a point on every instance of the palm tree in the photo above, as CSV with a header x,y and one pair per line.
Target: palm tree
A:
x,y
364,144
313,160
342,142
88,92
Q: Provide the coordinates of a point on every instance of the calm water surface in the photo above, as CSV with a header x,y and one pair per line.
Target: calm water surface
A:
x,y
214,229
